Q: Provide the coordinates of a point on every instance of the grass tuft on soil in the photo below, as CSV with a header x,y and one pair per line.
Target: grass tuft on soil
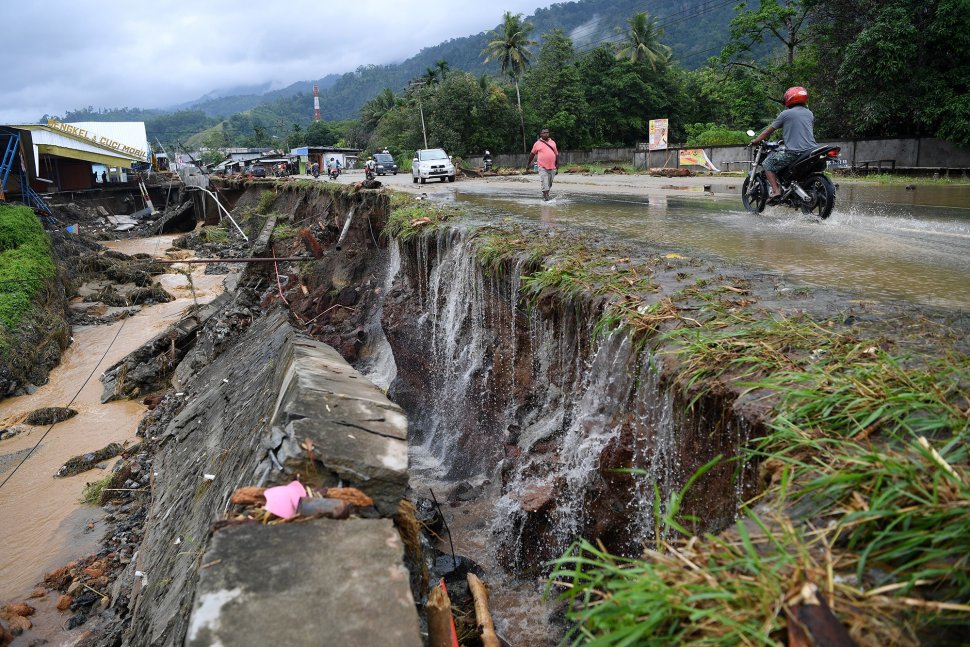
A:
x,y
867,498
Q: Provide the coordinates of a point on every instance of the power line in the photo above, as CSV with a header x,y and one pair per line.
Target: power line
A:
x,y
96,366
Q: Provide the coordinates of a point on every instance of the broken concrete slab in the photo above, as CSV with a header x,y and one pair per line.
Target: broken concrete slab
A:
x,y
360,436
324,582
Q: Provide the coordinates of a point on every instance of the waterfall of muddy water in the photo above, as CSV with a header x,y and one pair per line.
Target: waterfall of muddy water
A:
x,y
378,365
532,412
42,523
880,242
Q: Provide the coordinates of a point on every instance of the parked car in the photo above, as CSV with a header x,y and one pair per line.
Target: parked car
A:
x,y
257,170
385,164
431,163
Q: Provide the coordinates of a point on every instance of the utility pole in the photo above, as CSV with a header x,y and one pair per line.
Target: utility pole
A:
x,y
419,85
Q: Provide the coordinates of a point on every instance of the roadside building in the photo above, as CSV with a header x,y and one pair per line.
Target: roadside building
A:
x,y
55,156
308,155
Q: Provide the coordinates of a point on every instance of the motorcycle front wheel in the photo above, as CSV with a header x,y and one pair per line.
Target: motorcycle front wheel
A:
x,y
822,193
754,201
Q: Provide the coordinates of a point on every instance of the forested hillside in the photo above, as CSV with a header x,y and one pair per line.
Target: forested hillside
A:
x,y
598,70
694,29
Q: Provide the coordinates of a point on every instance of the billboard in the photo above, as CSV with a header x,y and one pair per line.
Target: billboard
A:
x,y
695,157
658,134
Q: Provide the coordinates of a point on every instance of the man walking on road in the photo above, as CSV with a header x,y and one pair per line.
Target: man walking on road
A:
x,y
547,154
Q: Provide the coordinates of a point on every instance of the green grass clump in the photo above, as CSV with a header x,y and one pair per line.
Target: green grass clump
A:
x,y
266,200
284,230
213,234
410,216
93,492
25,262
892,179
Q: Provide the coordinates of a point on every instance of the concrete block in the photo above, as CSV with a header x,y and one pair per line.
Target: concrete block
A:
x,y
319,583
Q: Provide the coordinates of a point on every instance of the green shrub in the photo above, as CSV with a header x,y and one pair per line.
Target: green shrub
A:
x,y
25,262
714,135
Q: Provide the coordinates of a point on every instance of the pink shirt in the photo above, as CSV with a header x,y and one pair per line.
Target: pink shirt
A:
x,y
545,155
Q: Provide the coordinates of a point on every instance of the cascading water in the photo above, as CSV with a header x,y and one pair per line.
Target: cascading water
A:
x,y
379,366
561,433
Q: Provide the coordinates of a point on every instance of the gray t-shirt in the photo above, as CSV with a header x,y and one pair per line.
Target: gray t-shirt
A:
x,y
797,123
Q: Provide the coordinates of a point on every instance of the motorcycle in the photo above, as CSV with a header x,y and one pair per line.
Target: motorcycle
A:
x,y
334,173
369,173
487,166
803,183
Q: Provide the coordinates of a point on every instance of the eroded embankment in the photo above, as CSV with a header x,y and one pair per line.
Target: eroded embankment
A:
x,y
537,368
555,365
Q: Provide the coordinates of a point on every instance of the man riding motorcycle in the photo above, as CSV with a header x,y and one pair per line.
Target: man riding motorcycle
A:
x,y
798,123
370,168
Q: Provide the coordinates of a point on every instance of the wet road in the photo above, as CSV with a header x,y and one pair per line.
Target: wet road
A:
x,y
881,242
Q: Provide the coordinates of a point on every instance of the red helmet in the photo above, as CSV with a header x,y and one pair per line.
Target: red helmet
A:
x,y
796,95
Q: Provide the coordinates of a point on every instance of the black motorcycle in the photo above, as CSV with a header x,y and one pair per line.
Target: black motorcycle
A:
x,y
803,183
368,173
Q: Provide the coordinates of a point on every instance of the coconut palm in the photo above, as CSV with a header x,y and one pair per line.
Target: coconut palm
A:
x,y
510,46
642,44
443,68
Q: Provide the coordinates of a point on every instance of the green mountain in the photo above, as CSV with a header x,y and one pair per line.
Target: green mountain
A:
x,y
694,29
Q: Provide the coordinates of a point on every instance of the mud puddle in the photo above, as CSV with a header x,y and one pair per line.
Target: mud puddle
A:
x,y
43,525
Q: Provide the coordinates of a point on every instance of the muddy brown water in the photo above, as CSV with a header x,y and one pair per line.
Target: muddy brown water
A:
x,y
43,525
884,243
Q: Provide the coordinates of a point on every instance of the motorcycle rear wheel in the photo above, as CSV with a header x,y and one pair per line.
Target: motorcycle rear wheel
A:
x,y
822,191
755,201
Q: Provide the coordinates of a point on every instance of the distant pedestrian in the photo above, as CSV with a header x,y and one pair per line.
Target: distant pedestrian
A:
x,y
104,177
546,153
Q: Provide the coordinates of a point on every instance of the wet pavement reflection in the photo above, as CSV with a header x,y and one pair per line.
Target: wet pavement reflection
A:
x,y
885,243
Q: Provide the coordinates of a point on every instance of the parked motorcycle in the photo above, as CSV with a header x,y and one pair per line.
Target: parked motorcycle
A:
x,y
802,183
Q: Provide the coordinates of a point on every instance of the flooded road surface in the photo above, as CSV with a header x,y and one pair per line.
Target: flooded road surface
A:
x,y
42,523
880,242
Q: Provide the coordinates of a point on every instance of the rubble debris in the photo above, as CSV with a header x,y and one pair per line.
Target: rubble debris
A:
x,y
49,416
87,461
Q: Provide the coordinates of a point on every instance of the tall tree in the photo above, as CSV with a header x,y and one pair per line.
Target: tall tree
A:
x,y
556,94
642,42
783,21
510,45
893,68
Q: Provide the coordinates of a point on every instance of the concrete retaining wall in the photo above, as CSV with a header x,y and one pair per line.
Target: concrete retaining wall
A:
x,y
916,153
247,417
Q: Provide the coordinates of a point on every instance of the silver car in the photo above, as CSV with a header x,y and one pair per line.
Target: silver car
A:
x,y
430,163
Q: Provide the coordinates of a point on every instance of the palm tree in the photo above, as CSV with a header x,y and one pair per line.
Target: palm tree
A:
x,y
430,76
510,45
374,110
642,43
443,68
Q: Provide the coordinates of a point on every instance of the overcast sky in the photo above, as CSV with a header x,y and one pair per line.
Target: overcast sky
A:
x,y
64,55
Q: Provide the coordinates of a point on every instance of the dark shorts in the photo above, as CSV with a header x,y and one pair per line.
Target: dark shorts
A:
x,y
779,160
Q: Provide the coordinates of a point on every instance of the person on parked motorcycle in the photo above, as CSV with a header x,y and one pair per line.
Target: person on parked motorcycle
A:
x,y
798,123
